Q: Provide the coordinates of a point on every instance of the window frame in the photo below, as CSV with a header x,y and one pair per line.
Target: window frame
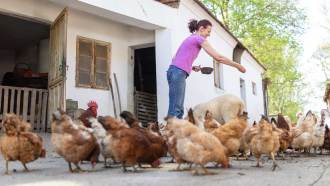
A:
x,y
92,83
218,72
254,88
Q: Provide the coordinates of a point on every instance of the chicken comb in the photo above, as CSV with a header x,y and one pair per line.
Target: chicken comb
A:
x,y
92,104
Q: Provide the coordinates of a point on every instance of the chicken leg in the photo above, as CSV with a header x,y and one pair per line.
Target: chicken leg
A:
x,y
274,162
7,164
25,168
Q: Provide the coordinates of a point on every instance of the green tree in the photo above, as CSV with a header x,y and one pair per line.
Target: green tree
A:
x,y
269,28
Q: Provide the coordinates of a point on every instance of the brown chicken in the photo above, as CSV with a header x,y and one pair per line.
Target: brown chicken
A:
x,y
18,143
326,144
285,134
210,124
129,146
158,143
230,134
195,145
72,141
266,141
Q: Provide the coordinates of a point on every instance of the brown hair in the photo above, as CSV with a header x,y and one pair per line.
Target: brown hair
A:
x,y
194,25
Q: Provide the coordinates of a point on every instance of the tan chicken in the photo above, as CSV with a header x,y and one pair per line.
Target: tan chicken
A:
x,y
266,141
231,132
72,141
210,124
195,145
303,133
18,143
246,138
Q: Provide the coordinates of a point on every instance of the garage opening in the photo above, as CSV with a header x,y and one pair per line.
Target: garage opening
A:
x,y
145,84
24,67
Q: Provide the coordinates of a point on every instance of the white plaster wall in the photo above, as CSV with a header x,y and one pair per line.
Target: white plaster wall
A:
x,y
121,37
36,9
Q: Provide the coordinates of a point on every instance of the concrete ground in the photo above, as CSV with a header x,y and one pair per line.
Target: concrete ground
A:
x,y
53,170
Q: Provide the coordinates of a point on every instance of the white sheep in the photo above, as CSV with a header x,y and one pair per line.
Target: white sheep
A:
x,y
223,109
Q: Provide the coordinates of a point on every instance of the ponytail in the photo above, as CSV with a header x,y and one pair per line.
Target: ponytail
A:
x,y
194,25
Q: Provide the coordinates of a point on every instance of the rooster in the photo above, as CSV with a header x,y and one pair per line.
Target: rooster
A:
x,y
90,112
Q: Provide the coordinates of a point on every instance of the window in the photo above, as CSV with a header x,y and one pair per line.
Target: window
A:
x,y
93,63
237,54
218,75
254,88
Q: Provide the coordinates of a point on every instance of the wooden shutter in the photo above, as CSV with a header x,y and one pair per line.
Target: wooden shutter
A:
x,y
101,67
85,60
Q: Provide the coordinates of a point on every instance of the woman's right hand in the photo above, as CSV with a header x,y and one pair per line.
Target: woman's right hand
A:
x,y
240,68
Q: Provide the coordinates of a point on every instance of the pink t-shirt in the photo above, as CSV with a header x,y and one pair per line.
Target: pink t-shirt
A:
x,y
188,52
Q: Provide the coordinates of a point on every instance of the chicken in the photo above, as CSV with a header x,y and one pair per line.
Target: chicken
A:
x,y
103,138
303,133
112,123
308,123
128,145
318,136
90,112
171,142
18,143
246,138
158,144
210,124
285,134
231,132
266,141
301,140
195,145
73,142
326,144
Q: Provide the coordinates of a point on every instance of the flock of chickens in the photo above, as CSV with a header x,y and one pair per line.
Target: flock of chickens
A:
x,y
126,142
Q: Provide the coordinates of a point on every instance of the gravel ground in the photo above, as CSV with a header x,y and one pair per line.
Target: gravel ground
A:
x,y
53,170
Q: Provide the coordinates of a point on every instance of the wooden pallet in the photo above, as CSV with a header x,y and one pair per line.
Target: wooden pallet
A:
x,y
145,107
29,103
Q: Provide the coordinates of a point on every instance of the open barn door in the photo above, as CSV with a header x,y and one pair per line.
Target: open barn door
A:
x,y
57,66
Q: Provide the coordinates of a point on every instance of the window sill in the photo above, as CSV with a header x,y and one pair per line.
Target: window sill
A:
x,y
89,87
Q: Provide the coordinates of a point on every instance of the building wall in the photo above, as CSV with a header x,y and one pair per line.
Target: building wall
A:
x,y
122,38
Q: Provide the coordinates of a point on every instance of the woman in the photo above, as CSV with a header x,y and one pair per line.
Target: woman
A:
x,y
181,65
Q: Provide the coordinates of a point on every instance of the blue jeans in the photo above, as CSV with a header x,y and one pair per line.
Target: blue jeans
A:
x,y
176,79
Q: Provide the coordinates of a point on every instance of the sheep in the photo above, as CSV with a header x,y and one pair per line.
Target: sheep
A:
x,y
223,108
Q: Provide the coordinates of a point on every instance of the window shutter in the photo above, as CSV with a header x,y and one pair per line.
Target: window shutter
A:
x,y
101,65
85,59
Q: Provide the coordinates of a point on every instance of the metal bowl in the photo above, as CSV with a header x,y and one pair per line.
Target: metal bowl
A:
x,y
206,70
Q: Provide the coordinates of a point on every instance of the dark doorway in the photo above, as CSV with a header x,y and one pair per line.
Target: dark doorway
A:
x,y
145,84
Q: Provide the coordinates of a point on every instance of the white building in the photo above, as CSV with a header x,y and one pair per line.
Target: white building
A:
x,y
80,43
